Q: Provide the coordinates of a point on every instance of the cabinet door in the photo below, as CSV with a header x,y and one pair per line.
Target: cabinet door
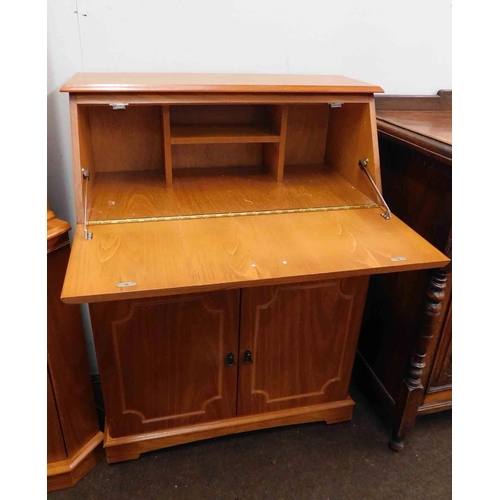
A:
x,y
162,361
302,339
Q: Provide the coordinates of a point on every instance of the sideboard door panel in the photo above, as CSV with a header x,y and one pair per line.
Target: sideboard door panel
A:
x,y
162,361
302,340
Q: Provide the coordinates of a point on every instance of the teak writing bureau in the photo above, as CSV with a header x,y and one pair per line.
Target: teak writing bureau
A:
x,y
227,229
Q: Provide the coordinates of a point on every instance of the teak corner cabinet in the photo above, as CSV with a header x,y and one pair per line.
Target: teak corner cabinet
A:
x,y
227,229
73,435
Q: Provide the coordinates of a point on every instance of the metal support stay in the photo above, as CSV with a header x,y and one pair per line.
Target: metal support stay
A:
x,y
362,164
86,177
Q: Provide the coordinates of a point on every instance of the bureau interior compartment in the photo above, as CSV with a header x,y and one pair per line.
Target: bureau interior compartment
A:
x,y
223,124
216,140
125,140
190,160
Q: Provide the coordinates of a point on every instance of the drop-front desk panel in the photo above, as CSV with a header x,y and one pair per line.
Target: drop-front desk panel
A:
x,y
227,229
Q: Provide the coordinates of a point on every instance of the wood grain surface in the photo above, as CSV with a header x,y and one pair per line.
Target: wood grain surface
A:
x,y
168,139
429,147
186,98
274,153
306,134
221,134
436,401
206,156
165,258
80,145
56,451
131,447
302,338
441,376
66,473
352,136
210,114
123,195
72,426
211,82
67,360
130,139
442,101
55,227
173,374
167,146
436,125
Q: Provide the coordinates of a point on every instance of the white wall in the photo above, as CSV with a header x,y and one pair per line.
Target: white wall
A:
x,y
405,47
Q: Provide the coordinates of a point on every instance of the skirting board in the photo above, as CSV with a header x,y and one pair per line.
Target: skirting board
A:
x,y
130,447
67,473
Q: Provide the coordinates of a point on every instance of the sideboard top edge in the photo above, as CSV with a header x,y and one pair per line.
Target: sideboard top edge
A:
x,y
214,83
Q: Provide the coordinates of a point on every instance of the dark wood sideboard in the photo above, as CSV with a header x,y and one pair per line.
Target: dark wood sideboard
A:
x,y
415,157
73,435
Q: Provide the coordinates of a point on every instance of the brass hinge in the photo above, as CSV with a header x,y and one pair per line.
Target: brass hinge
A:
x,y
118,105
164,218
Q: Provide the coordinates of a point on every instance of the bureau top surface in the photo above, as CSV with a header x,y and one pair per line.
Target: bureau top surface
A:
x,y
213,83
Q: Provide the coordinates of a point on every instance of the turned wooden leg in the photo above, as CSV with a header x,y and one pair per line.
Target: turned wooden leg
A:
x,y
411,388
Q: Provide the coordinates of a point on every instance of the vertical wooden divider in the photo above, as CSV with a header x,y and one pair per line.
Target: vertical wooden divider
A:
x,y
81,140
274,153
167,146
352,136
77,167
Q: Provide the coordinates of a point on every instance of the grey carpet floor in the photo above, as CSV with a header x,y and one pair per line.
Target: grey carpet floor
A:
x,y
311,461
